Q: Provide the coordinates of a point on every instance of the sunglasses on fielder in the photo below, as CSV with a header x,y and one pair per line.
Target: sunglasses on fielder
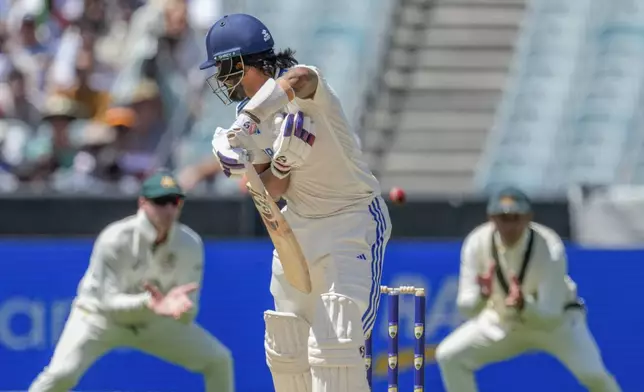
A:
x,y
165,200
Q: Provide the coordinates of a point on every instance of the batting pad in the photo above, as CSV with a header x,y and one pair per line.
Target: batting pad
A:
x,y
334,346
336,335
285,342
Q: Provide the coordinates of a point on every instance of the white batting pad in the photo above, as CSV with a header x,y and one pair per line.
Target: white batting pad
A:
x,y
285,342
334,346
336,335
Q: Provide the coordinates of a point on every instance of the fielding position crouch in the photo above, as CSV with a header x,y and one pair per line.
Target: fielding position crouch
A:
x,y
514,286
291,126
141,290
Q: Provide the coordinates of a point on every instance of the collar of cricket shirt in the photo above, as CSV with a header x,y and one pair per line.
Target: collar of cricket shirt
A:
x,y
279,72
147,230
519,246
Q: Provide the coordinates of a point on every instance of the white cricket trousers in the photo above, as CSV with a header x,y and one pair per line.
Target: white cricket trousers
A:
x,y
346,256
345,253
470,347
87,336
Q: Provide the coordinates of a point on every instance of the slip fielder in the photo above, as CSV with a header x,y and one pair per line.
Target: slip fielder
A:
x,y
515,289
291,125
141,290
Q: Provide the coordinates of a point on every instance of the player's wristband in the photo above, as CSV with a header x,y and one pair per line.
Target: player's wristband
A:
x,y
271,98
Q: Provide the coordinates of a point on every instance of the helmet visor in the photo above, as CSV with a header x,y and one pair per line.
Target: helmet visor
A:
x,y
226,82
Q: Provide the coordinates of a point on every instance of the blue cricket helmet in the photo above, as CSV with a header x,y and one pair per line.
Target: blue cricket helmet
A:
x,y
236,35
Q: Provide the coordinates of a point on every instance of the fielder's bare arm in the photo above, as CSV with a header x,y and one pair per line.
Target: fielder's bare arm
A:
x,y
141,290
291,126
515,289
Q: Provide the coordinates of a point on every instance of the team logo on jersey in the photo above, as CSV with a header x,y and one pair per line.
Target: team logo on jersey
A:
x,y
168,182
393,330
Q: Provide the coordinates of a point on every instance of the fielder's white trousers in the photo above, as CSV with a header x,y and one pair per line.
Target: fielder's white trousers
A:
x,y
472,346
89,336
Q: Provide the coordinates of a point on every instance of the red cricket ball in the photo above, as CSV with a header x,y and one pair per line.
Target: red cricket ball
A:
x,y
397,195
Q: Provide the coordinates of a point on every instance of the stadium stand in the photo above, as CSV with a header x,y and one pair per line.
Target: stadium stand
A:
x,y
106,67
571,113
425,82
442,77
548,63
607,134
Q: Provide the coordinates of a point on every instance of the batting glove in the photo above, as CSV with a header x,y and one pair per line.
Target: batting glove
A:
x,y
259,144
231,159
293,144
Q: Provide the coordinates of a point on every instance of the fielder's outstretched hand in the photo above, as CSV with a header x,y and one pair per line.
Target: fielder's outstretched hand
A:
x,y
174,304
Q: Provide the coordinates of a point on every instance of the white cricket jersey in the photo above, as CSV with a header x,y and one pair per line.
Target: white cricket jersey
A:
x,y
546,287
125,257
336,177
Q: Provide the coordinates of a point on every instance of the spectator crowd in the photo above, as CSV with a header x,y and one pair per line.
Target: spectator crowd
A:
x,y
95,93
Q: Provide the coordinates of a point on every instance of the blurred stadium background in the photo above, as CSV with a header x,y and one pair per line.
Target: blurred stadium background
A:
x,y
450,98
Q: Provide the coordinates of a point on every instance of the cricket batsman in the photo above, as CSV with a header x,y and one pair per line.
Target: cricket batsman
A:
x,y
516,292
292,128
141,290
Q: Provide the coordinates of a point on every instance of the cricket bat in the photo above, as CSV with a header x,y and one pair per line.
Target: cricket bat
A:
x,y
296,269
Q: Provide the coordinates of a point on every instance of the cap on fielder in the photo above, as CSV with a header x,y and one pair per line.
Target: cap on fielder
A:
x,y
160,184
509,200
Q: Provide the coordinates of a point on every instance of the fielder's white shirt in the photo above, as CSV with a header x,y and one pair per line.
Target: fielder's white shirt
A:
x,y
124,257
336,177
546,286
